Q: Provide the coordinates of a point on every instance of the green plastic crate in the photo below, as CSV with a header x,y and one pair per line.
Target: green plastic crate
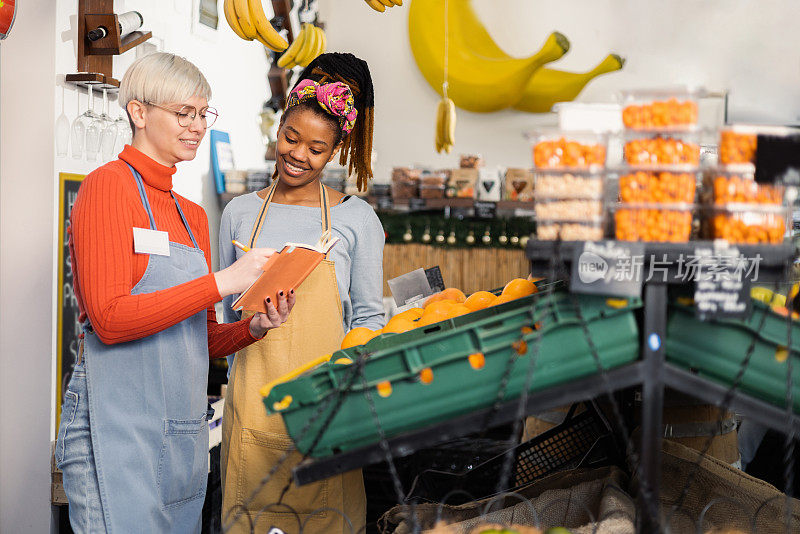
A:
x,y
716,349
457,388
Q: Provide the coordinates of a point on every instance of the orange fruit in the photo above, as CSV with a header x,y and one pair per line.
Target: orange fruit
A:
x,y
429,319
454,294
458,310
479,300
502,299
358,336
441,306
398,325
518,288
412,315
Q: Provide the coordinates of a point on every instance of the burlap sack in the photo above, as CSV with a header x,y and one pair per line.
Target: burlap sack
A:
x,y
735,496
571,499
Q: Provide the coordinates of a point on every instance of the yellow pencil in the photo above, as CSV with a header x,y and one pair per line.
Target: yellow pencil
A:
x,y
239,245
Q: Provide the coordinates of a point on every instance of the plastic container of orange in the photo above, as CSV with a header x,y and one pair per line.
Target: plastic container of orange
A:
x,y
569,150
654,222
662,149
747,223
591,230
722,186
447,369
660,186
738,143
660,109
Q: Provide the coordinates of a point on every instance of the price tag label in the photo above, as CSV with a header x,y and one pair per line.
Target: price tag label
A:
x,y
485,210
416,203
608,268
385,203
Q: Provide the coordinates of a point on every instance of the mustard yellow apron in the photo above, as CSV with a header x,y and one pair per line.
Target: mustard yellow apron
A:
x,y
254,442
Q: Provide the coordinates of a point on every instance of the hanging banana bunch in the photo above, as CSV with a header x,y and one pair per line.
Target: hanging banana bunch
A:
x,y
446,110
308,44
381,5
248,20
445,125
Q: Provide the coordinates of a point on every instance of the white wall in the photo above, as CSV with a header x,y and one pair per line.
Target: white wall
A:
x,y
26,260
751,47
42,46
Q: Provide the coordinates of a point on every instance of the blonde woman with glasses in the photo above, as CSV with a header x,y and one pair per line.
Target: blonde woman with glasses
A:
x,y
133,438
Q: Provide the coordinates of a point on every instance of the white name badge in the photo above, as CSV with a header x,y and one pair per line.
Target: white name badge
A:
x,y
146,241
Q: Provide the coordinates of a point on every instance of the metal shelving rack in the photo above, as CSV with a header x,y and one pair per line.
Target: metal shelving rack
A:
x,y
651,372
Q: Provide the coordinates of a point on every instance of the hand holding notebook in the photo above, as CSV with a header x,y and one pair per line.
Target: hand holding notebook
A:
x,y
284,270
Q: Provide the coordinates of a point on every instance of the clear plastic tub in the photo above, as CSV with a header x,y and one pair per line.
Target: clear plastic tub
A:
x,y
658,186
569,210
738,143
721,186
654,222
747,224
663,148
660,109
569,230
569,185
568,150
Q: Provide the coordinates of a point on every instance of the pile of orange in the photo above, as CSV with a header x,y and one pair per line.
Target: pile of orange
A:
x,y
441,306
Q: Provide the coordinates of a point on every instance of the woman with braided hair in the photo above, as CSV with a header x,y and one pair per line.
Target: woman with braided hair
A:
x,y
328,112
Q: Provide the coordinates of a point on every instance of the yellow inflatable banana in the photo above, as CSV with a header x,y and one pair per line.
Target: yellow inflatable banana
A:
x,y
477,82
548,86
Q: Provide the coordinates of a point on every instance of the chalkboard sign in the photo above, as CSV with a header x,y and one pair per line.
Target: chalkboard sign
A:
x,y
722,287
68,326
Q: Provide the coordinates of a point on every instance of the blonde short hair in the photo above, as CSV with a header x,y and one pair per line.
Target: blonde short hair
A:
x,y
162,78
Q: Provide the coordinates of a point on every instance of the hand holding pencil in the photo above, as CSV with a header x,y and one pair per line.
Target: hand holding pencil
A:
x,y
243,272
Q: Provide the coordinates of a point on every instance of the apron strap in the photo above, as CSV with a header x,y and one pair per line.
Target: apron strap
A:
x,y
146,203
325,210
143,195
183,218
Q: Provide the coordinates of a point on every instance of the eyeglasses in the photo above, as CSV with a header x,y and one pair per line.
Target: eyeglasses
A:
x,y
187,114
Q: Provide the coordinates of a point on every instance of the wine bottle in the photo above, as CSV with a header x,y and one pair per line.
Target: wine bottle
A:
x,y
127,22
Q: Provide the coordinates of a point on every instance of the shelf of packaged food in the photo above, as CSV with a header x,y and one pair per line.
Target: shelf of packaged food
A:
x,y
772,265
442,203
582,389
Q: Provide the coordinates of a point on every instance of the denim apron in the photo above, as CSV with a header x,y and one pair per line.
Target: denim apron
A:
x,y
147,412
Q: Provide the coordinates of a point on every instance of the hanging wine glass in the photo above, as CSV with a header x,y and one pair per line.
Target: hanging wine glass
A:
x,y
124,133
78,133
93,130
62,129
108,136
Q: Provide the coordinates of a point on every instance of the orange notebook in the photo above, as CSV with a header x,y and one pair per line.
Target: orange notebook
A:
x,y
283,271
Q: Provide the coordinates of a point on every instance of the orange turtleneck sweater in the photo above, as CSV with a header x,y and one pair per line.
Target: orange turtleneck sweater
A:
x,y
106,268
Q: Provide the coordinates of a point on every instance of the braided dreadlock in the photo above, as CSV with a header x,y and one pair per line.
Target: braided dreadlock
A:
x,y
347,68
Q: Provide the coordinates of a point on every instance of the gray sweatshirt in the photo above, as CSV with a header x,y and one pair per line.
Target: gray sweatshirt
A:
x,y
358,256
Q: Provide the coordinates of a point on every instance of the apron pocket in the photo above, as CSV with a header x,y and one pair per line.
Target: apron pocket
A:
x,y
259,454
68,411
182,465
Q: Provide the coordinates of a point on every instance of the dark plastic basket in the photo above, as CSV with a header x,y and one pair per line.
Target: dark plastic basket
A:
x,y
584,439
